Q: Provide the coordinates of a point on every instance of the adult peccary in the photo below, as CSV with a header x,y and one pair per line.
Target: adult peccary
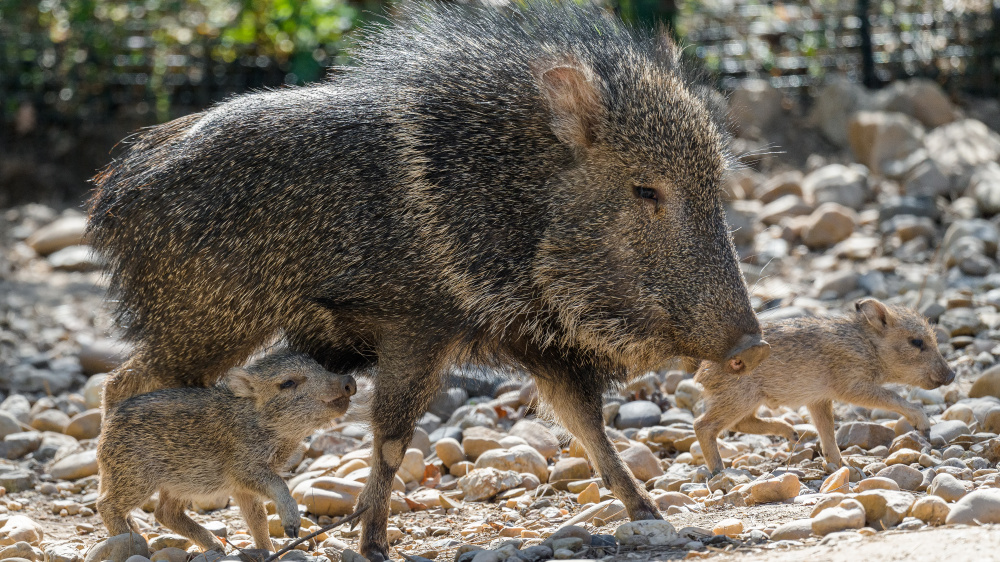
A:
x,y
537,187
232,438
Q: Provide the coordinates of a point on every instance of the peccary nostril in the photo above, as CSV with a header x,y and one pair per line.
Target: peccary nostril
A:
x,y
748,353
350,387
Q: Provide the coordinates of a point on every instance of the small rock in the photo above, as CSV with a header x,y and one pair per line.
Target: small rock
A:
x,y
783,207
902,456
520,458
836,183
866,435
85,425
18,480
570,468
170,554
169,541
538,436
641,461
101,356
478,440
730,527
412,467
590,494
638,413
484,483
876,483
944,432
327,495
687,394
449,451
646,533
946,487
784,487
850,514
836,482
987,384
828,224
906,477
50,420
793,530
931,510
786,183
62,233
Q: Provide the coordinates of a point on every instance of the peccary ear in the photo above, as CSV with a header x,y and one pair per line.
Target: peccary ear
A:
x,y
240,382
574,99
874,312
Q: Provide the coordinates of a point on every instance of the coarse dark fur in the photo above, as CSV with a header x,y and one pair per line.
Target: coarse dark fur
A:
x,y
232,438
815,361
537,187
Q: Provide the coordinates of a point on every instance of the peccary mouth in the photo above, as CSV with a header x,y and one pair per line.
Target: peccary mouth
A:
x,y
340,403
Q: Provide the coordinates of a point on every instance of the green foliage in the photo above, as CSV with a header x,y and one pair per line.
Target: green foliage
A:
x,y
78,46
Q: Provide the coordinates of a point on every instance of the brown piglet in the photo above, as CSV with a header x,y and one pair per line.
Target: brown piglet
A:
x,y
814,361
230,438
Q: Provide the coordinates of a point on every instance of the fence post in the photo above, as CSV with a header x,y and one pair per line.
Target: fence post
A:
x,y
867,58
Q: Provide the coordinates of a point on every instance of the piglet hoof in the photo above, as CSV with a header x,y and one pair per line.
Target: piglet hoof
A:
x,y
292,531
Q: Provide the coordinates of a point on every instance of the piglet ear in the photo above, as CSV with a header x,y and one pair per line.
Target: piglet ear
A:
x,y
874,312
240,382
574,99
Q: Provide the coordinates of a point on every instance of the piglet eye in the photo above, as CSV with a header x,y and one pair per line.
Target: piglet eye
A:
x,y
287,384
917,343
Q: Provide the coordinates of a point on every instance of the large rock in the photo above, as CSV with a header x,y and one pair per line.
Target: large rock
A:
x,y
977,508
638,413
793,530
866,435
886,141
75,466
538,436
570,468
836,183
885,508
449,451
19,528
327,495
520,458
906,477
944,432
118,548
786,183
828,224
85,425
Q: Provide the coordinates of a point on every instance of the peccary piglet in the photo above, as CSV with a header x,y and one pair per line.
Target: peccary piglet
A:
x,y
815,361
230,438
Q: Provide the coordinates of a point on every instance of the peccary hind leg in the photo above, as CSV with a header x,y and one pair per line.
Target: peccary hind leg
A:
x,y
406,381
581,411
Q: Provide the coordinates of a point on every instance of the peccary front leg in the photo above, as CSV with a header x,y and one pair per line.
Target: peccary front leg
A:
x,y
874,396
404,385
266,483
581,412
822,417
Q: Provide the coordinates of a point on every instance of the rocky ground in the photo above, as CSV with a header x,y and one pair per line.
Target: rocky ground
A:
x,y
900,205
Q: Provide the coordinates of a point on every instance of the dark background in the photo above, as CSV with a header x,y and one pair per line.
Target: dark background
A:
x,y
77,76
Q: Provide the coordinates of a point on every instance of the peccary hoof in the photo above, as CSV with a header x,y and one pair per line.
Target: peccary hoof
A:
x,y
254,554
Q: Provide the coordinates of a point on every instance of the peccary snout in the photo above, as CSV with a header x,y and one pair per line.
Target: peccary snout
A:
x,y
347,385
749,352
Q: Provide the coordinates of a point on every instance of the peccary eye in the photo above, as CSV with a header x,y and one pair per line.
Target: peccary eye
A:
x,y
917,343
287,384
648,194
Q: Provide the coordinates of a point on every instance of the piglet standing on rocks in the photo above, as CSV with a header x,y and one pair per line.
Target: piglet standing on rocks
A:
x,y
815,361
536,186
231,438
